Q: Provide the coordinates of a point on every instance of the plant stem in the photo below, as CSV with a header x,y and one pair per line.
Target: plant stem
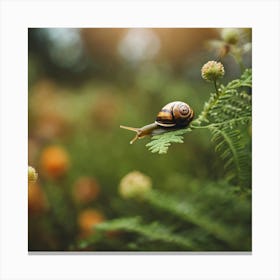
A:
x,y
216,88
218,124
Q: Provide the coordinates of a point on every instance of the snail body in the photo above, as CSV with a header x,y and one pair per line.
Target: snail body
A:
x,y
172,116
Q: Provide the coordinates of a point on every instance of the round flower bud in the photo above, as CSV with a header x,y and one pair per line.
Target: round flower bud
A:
x,y
32,174
230,35
212,70
54,161
87,219
37,200
134,184
86,189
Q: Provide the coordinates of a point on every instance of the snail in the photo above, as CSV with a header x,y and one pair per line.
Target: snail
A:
x,y
172,116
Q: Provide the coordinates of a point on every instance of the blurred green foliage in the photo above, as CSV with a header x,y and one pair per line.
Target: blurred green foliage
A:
x,y
82,85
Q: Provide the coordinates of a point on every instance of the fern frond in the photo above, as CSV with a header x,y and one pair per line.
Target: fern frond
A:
x,y
244,81
153,232
226,114
211,217
229,113
231,102
233,152
161,143
187,211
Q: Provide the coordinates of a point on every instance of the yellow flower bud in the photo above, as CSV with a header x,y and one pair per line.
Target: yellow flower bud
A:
x,y
212,70
230,35
134,184
32,174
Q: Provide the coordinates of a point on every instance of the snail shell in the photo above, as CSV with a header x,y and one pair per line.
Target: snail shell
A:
x,y
175,114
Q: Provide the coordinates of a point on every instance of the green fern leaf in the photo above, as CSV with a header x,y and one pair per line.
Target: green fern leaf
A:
x,y
153,232
229,113
187,211
161,143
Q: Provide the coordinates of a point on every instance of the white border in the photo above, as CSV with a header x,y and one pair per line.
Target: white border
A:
x,y
17,16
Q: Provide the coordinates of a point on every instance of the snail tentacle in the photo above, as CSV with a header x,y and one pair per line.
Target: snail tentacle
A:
x,y
141,132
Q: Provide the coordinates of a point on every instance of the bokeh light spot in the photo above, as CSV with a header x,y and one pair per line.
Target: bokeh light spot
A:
x,y
138,45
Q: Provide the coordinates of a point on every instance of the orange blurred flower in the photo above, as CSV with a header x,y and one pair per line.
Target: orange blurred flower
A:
x,y
51,125
37,201
87,219
86,189
54,161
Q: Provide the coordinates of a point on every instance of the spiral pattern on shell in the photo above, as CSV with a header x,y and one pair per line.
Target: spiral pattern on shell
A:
x,y
175,114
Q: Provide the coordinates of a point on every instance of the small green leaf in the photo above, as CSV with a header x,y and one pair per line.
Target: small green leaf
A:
x,y
160,143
